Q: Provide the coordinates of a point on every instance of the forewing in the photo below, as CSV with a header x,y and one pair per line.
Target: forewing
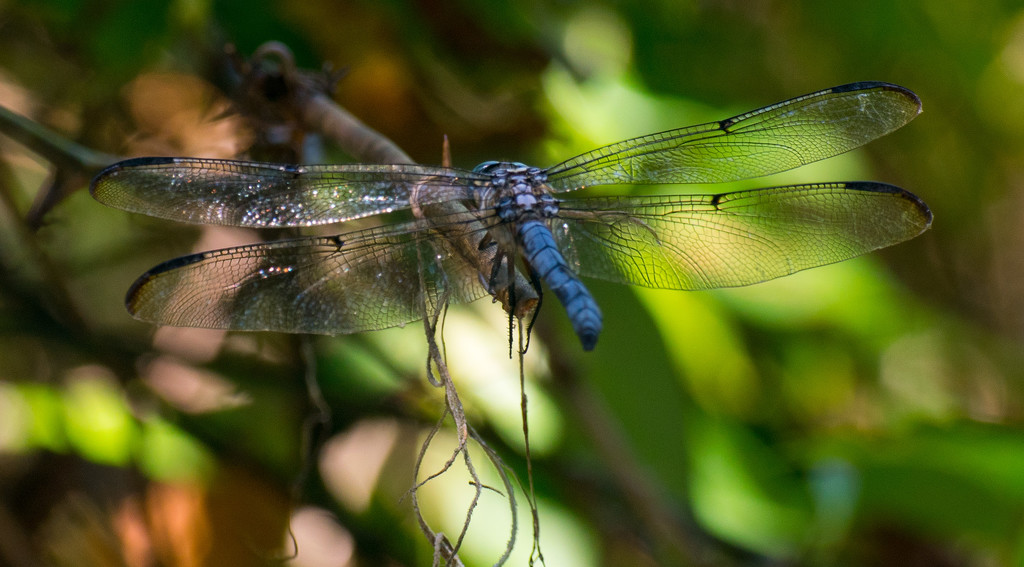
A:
x,y
360,281
695,242
761,142
252,194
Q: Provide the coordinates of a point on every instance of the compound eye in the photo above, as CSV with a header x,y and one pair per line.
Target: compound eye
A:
x,y
486,166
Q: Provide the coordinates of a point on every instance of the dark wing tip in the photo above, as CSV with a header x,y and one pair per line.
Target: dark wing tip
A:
x,y
908,94
137,162
147,160
133,296
922,208
924,212
126,164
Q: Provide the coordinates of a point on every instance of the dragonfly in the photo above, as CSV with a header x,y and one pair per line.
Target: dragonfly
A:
x,y
470,230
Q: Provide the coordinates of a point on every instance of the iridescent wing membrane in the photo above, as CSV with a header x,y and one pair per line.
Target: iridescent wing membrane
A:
x,y
364,280
695,242
390,275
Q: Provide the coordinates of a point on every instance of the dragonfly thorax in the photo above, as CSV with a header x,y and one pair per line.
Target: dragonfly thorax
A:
x,y
517,191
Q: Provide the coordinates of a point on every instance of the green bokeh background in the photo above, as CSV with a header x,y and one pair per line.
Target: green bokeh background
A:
x,y
866,413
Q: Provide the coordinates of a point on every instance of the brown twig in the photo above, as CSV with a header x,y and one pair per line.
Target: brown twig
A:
x,y
51,146
531,495
73,164
53,294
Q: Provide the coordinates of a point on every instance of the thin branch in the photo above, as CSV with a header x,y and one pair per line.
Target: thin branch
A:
x,y
504,473
53,294
535,552
51,146
315,428
73,164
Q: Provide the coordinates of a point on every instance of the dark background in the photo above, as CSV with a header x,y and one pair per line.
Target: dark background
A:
x,y
866,413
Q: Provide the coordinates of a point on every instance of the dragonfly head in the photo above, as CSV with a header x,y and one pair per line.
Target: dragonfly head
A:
x,y
491,167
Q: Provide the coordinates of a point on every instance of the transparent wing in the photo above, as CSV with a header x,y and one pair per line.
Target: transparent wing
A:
x,y
697,242
761,142
363,280
239,193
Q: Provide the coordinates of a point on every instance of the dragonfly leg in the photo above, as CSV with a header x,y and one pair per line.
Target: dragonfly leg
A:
x,y
499,278
535,283
511,315
486,242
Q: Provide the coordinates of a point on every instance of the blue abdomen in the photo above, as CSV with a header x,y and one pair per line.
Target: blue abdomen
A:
x,y
542,254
